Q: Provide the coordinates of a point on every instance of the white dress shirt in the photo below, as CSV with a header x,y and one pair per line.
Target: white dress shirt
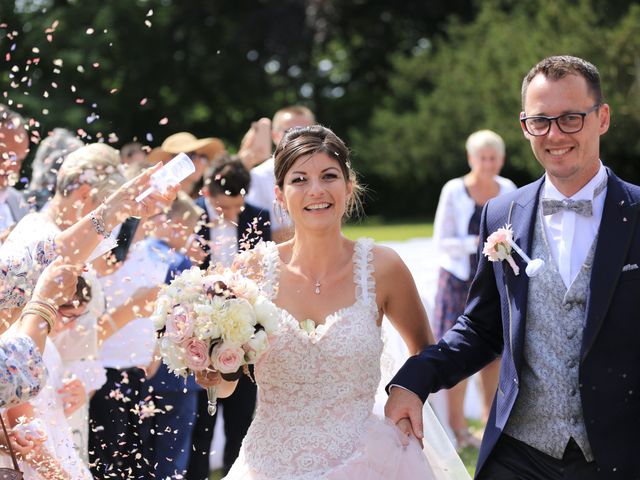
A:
x,y
223,243
133,344
570,234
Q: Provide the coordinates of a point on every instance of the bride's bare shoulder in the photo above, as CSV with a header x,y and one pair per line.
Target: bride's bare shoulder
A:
x,y
385,259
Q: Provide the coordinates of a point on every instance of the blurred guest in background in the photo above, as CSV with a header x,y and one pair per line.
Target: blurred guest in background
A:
x,y
14,146
256,154
456,229
229,225
49,156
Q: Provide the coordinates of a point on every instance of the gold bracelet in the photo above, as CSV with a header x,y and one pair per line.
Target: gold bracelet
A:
x,y
50,321
45,304
50,318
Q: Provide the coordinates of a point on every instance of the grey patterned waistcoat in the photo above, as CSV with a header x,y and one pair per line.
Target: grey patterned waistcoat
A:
x,y
548,410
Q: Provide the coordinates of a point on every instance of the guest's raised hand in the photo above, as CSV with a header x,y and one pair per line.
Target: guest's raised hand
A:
x,y
122,203
255,147
57,283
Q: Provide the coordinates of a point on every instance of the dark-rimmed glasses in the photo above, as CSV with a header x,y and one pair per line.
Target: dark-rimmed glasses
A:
x,y
573,122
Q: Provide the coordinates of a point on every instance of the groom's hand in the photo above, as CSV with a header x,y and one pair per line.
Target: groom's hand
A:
x,y
404,408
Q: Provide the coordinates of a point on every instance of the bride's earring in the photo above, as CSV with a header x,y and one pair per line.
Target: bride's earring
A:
x,y
281,213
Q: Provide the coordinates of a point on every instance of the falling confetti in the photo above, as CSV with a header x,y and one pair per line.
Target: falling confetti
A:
x,y
89,31
164,121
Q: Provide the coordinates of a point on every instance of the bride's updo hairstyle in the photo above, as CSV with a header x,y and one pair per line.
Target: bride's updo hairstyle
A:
x,y
305,141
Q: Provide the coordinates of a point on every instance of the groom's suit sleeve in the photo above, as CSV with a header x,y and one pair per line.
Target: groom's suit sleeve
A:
x,y
474,341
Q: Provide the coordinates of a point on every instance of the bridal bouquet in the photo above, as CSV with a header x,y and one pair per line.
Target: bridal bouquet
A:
x,y
217,320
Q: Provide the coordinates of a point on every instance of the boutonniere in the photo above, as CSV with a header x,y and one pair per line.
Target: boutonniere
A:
x,y
499,246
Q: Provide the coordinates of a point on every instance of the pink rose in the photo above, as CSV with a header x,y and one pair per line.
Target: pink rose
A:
x,y
197,354
179,324
227,358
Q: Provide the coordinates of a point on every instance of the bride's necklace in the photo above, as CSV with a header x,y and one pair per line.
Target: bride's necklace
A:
x,y
317,290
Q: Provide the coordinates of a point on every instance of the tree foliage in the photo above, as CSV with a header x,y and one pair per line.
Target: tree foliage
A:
x,y
403,82
471,79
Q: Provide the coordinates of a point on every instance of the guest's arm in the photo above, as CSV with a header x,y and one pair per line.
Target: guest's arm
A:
x,y
19,269
446,238
39,457
139,305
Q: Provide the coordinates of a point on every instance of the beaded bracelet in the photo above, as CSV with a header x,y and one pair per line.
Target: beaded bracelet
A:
x,y
98,224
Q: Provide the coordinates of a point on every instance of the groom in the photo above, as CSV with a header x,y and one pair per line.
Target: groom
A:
x,y
568,400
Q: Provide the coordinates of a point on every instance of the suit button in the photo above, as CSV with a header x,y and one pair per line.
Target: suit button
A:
x,y
568,306
571,334
573,421
571,363
572,392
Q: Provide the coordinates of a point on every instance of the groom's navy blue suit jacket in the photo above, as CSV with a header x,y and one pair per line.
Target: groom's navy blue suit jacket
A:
x,y
494,323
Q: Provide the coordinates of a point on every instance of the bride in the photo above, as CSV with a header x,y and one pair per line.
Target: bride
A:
x,y
317,382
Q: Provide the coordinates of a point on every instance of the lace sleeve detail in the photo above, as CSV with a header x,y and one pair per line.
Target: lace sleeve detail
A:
x,y
363,270
19,271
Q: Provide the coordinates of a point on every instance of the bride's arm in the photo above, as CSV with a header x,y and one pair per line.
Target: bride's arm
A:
x,y
399,300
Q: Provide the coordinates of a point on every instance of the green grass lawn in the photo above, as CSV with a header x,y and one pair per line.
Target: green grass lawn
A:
x,y
388,231
382,231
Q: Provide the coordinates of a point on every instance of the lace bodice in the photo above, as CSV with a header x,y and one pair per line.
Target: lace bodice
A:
x,y
316,390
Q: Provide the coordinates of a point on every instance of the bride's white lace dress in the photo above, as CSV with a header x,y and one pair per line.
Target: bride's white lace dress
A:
x,y
316,392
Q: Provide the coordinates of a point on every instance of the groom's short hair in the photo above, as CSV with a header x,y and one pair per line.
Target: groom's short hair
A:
x,y
557,67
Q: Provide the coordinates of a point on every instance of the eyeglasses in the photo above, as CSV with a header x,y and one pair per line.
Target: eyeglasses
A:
x,y
539,125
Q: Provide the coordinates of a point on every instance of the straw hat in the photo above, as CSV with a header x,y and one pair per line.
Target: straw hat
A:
x,y
187,142
157,155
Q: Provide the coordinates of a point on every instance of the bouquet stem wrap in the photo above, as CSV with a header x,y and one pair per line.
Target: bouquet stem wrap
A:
x,y
212,400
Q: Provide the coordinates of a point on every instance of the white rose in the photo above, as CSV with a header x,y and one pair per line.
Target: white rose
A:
x,y
207,319
174,356
267,314
237,321
245,288
255,347
159,316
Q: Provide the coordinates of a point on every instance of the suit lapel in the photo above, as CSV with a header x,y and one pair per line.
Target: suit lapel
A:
x,y
522,216
614,238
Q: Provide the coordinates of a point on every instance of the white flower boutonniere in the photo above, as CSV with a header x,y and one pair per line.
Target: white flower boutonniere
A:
x,y
499,246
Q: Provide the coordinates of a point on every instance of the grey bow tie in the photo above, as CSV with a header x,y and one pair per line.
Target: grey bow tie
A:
x,y
581,207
